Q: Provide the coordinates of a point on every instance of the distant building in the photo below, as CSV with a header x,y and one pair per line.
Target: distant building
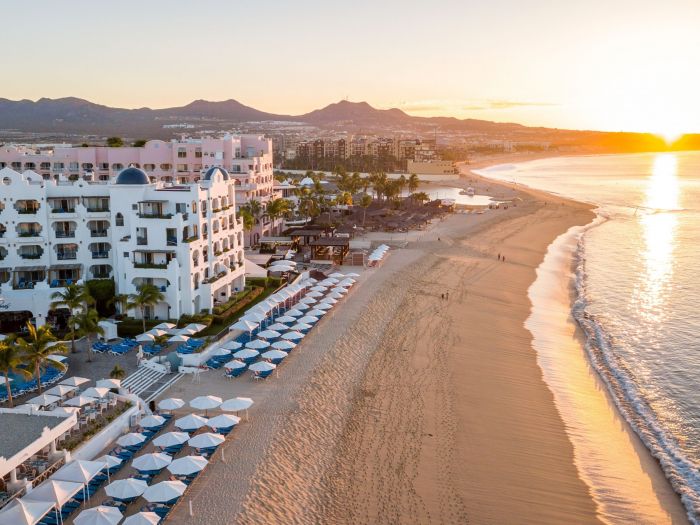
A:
x,y
435,167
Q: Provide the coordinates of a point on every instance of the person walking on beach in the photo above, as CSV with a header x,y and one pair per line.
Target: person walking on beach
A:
x,y
499,256
447,296
442,296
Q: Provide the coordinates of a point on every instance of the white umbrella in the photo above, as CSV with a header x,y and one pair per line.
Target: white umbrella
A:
x,y
268,334
315,294
131,439
235,364
232,345
262,366
206,440
190,421
352,274
236,404
58,357
196,327
316,312
308,300
257,344
58,492
311,280
293,336
300,326
109,383
302,306
278,327
294,312
329,280
110,461
102,515
254,317
318,288
347,282
328,300
338,289
179,338
126,488
286,319
157,332
171,403
334,295
79,401
145,338
152,421
274,354
205,402
153,461
218,352
171,439
223,421
61,390
279,297
164,491
142,518
164,326
283,345
25,512
281,268
79,471
96,392
44,400
246,353
308,319
66,411
187,330
336,275
244,325
325,306
74,381
282,261
188,465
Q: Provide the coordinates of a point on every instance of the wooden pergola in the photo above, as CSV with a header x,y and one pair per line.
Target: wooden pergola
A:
x,y
330,249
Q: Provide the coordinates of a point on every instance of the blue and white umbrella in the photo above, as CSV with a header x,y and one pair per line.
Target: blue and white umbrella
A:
x,y
294,312
300,327
235,364
257,344
283,345
151,462
316,312
188,465
232,345
274,355
278,327
268,334
190,422
246,353
262,366
152,421
206,440
128,488
171,439
286,319
293,336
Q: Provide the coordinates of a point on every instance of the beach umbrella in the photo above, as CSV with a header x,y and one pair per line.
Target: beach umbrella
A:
x,y
301,307
196,327
268,334
293,336
142,518
125,489
334,295
187,330
145,338
25,512
294,312
236,404
255,317
157,332
165,491
257,344
308,300
74,381
131,439
188,465
283,345
102,515
79,471
283,261
308,319
231,345
44,400
190,422
55,491
338,289
151,462
262,366
97,392
278,327
300,326
325,306
281,268
205,402
235,364
328,300
171,439
315,294
60,390
223,421
261,308
329,280
206,440
171,403
336,275
318,288
164,326
347,282
244,325
274,354
316,312
246,353
152,421
311,280
109,383
220,352
286,319
79,401
179,338
279,297
66,411
110,461
352,274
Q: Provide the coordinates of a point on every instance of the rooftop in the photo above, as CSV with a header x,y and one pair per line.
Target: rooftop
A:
x,y
18,431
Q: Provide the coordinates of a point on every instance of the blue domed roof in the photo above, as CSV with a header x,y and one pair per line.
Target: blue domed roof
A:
x,y
132,175
211,171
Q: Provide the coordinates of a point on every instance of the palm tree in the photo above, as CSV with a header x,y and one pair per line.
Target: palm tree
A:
x,y
11,360
248,220
413,183
121,300
401,182
308,204
37,349
146,295
421,196
88,323
255,209
117,372
365,202
276,208
73,297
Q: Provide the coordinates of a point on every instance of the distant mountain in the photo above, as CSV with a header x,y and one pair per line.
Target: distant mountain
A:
x,y
78,116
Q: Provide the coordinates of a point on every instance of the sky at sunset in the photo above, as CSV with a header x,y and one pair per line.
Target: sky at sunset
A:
x,y
595,64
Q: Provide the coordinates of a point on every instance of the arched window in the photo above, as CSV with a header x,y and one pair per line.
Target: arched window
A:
x,y
119,219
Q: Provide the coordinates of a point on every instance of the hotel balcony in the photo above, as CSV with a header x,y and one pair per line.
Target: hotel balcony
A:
x,y
153,210
27,207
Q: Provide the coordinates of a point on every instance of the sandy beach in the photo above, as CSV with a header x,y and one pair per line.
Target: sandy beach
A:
x,y
403,407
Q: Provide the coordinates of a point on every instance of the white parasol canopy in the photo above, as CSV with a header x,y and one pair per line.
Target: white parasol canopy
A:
x,y
171,439
131,439
153,461
110,461
205,402
190,421
293,336
206,440
60,390
236,404
286,319
268,334
278,327
126,488
164,326
74,381
164,491
171,403
308,319
336,275
197,327
152,421
315,294
98,392
300,326
235,364
102,515
142,518
257,344
25,512
79,471
308,300
218,352
179,338
109,383
58,492
44,400
246,353
283,345
157,332
145,338
262,366
316,312
231,345
324,306
244,325
274,354
79,401
188,465
254,317
223,421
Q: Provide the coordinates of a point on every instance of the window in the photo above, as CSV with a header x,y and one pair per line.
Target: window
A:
x,y
182,167
198,153
180,207
181,153
117,166
149,167
166,167
126,255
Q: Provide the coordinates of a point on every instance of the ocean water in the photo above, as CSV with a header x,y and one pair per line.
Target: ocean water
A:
x,y
637,299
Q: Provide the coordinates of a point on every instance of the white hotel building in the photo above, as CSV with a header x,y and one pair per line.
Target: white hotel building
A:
x,y
186,239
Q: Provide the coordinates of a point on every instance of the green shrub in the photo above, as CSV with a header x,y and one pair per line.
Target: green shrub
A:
x,y
102,290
